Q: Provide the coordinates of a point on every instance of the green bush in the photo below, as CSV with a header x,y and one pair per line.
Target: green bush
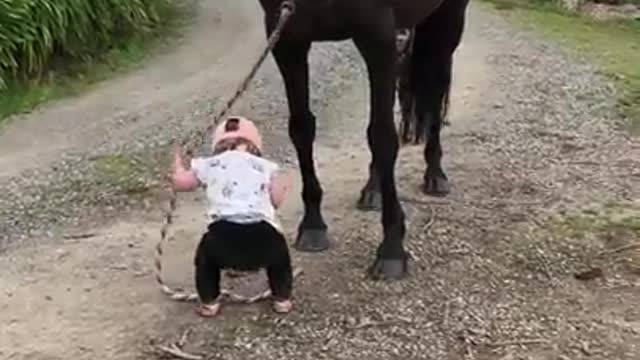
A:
x,y
33,33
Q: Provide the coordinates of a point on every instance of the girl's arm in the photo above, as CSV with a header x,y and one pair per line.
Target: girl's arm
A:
x,y
183,179
281,183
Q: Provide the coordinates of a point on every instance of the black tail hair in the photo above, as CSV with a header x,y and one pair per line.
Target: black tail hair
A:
x,y
426,75
428,81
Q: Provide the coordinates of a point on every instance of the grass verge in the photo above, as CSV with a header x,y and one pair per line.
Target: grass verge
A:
x,y
614,45
604,238
73,78
128,174
616,226
100,187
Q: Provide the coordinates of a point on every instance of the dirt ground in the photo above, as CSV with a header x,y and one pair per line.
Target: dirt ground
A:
x,y
531,145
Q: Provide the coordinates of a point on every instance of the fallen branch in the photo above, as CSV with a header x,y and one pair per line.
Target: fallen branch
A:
x,y
176,348
383,323
621,249
432,220
79,236
469,343
445,321
518,342
589,274
183,339
474,203
173,350
469,354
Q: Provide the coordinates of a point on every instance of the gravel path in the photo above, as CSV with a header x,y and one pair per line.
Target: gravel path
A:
x,y
533,137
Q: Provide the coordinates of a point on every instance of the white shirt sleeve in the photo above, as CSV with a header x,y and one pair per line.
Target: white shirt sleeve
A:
x,y
200,167
271,167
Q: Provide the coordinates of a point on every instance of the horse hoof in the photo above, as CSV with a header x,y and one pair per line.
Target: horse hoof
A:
x,y
312,240
370,200
437,186
388,269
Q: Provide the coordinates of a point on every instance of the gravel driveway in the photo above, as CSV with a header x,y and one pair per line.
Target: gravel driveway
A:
x,y
533,139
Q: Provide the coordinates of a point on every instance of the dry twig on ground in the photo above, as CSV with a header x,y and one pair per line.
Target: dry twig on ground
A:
x,y
176,348
520,342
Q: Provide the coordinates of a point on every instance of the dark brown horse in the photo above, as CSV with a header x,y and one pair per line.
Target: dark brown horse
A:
x,y
372,25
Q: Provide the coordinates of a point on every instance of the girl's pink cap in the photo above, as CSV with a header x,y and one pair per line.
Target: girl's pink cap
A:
x,y
245,129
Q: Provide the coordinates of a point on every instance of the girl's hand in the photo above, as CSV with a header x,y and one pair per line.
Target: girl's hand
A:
x,y
183,179
178,162
281,184
288,179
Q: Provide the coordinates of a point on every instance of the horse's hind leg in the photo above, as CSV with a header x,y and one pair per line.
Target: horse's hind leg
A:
x,y
376,43
431,67
291,58
370,196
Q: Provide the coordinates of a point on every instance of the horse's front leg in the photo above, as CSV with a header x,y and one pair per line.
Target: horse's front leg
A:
x,y
291,58
376,43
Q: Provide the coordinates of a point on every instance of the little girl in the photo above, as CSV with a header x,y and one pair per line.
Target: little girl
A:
x,y
243,191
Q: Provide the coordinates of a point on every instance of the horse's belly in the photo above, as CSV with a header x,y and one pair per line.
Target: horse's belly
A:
x,y
331,20
411,12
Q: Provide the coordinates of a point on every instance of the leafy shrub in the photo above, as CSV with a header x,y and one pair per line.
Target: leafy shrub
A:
x,y
35,32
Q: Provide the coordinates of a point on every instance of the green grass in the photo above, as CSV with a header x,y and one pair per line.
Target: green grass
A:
x,y
613,217
125,172
616,226
613,45
105,185
69,78
140,173
604,236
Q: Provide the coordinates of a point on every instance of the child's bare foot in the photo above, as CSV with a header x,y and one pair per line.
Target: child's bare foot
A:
x,y
210,310
282,306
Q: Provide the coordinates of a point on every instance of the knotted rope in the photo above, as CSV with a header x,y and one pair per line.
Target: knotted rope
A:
x,y
287,9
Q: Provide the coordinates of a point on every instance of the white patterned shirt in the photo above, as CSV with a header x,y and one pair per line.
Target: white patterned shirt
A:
x,y
237,185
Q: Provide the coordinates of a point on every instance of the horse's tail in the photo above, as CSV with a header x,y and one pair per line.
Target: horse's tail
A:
x,y
425,74
408,120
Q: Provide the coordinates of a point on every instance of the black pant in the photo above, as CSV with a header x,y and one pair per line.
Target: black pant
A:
x,y
242,247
